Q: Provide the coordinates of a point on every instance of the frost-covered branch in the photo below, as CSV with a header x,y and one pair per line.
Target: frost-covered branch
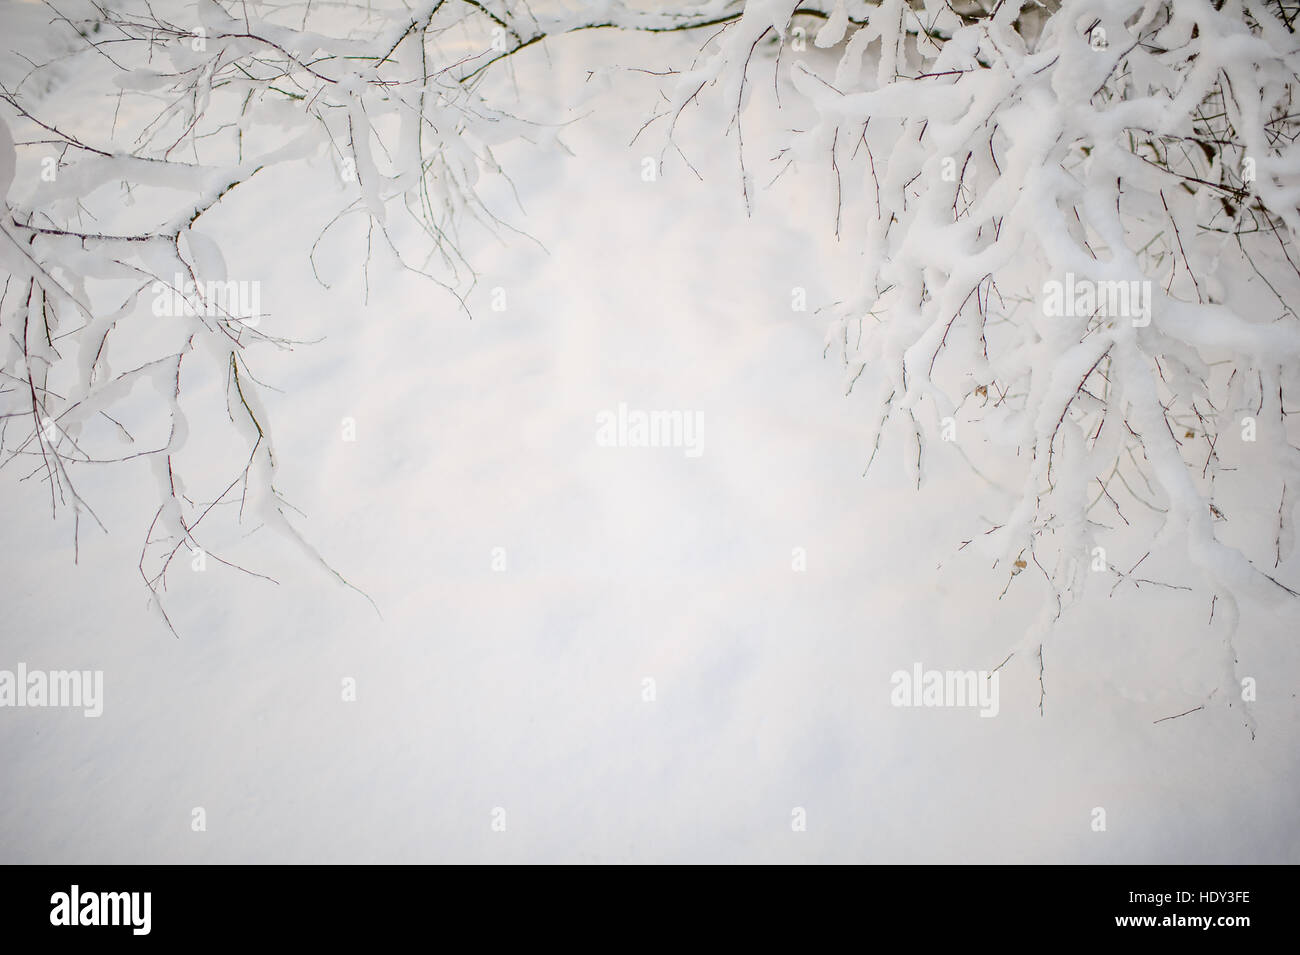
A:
x,y
1080,256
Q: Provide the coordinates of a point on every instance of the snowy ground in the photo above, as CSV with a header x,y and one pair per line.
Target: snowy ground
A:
x,y
522,688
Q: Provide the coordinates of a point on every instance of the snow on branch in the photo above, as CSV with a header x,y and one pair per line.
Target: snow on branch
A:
x,y
207,100
1079,229
1077,221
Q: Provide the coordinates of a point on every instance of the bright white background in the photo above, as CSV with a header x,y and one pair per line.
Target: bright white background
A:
x,y
523,689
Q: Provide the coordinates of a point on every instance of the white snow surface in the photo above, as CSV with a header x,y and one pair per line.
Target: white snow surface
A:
x,y
522,688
